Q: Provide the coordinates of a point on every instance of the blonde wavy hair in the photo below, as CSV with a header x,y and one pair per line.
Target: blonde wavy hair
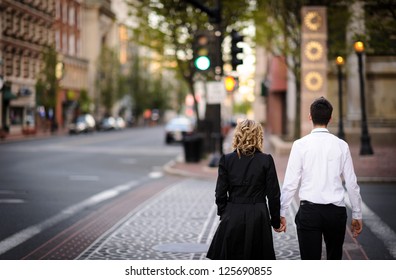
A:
x,y
248,137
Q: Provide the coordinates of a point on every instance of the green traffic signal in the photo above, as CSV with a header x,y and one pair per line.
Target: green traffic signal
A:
x,y
202,63
203,51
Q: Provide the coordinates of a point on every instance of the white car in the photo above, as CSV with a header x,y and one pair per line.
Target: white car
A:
x,y
83,123
177,128
119,123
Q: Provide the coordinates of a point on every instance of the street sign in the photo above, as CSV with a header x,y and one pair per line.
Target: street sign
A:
x,y
216,92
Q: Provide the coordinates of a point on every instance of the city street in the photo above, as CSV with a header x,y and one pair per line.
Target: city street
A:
x,y
111,195
45,184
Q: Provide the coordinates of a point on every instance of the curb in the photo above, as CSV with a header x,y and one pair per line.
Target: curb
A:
x,y
206,171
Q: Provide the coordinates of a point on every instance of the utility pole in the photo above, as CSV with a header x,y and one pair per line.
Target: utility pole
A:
x,y
213,111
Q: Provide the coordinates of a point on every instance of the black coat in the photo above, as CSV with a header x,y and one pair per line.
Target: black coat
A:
x,y
244,185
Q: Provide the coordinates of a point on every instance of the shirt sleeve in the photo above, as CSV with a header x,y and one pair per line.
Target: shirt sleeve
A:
x,y
292,179
351,186
221,187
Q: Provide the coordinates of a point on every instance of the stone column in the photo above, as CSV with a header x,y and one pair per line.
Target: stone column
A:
x,y
356,26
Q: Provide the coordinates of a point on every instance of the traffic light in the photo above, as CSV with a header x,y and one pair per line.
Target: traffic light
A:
x,y
229,83
235,50
202,51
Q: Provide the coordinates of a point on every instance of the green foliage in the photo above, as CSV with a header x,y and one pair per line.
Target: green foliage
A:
x,y
84,101
168,27
108,77
148,90
242,108
46,83
380,19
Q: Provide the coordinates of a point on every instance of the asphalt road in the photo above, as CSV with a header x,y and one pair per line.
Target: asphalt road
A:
x,y
378,238
46,182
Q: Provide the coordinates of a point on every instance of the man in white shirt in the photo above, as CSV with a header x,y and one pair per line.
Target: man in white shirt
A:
x,y
316,165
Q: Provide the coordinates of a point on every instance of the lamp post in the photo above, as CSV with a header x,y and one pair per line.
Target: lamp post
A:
x,y
365,148
340,63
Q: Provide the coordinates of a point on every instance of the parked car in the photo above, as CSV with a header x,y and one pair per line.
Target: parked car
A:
x,y
111,123
107,123
120,123
177,128
83,123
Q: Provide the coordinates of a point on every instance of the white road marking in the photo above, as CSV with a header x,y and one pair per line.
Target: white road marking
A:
x,y
83,178
156,174
378,227
25,234
11,200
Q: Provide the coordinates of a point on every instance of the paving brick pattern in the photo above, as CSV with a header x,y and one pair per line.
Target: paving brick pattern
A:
x,y
176,224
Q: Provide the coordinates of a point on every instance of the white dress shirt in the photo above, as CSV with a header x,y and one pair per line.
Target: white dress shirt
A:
x,y
317,164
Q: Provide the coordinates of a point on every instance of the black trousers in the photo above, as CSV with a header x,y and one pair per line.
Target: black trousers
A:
x,y
315,221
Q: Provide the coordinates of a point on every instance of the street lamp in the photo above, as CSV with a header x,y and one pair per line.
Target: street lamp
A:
x,y
365,148
340,63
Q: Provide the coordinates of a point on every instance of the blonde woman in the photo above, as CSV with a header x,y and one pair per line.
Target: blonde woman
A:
x,y
246,180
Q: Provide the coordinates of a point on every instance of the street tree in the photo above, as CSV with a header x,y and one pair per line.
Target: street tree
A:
x,y
47,84
108,78
148,89
169,26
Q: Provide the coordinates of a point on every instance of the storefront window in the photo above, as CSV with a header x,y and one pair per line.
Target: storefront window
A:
x,y
16,115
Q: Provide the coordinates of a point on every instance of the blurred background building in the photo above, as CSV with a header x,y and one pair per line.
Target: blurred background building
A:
x,y
102,69
275,88
69,42
26,27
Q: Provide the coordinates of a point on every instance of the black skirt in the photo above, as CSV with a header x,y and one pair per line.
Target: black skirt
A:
x,y
244,233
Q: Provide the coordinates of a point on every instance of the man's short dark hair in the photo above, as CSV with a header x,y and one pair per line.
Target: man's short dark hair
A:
x,y
321,111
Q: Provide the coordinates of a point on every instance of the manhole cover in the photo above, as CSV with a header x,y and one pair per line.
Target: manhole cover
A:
x,y
182,247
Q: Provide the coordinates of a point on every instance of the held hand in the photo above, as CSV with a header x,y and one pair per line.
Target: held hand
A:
x,y
356,227
282,227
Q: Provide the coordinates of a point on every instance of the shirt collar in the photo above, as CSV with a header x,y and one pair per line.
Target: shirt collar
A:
x,y
319,130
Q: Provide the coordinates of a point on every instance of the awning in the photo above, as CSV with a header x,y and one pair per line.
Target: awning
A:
x,y
8,95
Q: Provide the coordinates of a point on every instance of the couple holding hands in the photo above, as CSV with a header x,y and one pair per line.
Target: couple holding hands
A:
x,y
250,202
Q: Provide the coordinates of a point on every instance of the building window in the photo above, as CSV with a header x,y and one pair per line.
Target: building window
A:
x,y
32,71
8,63
64,14
64,42
78,47
58,10
72,16
16,25
25,27
17,65
72,45
16,115
25,65
57,40
78,18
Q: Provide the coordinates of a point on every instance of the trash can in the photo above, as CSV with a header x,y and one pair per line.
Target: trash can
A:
x,y
192,148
